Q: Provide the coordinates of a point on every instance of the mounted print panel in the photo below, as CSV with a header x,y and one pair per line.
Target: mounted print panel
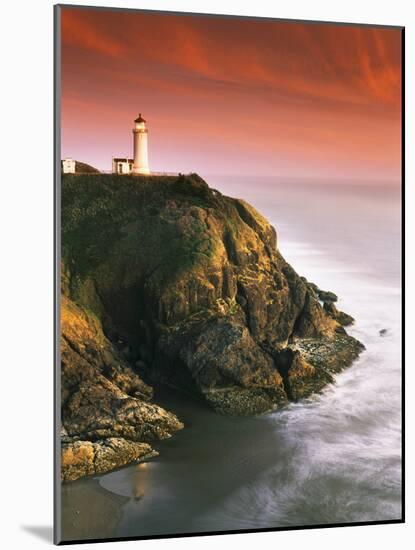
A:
x,y
228,253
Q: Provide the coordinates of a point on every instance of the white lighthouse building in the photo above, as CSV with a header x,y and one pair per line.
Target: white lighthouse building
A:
x,y
140,133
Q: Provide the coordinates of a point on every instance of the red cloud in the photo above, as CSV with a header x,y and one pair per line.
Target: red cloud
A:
x,y
312,90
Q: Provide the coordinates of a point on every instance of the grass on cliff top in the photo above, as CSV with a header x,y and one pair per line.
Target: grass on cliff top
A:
x,y
98,209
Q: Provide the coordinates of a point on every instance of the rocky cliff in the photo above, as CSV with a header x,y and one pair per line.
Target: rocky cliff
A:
x,y
107,414
167,280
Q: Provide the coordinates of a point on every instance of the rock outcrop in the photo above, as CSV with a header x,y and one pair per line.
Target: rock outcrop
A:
x,y
81,458
343,318
106,408
189,287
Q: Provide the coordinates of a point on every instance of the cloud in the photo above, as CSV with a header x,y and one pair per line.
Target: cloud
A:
x,y
313,90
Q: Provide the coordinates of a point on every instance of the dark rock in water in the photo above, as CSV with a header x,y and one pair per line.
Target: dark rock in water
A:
x,y
326,296
383,332
343,318
199,293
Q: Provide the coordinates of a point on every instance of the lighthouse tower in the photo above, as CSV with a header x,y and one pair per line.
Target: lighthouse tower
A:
x,y
140,133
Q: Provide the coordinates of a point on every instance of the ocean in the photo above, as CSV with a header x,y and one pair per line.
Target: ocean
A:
x,y
334,458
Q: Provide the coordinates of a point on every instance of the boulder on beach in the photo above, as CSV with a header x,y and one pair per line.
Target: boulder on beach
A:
x,y
81,458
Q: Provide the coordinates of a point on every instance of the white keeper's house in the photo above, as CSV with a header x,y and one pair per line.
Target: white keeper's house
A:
x,y
122,166
68,166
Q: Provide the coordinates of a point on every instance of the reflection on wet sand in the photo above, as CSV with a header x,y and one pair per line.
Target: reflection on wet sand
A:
x,y
139,482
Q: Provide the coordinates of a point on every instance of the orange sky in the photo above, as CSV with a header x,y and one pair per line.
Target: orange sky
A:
x,y
232,95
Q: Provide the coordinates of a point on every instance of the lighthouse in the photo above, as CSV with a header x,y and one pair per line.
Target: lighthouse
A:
x,y
140,134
